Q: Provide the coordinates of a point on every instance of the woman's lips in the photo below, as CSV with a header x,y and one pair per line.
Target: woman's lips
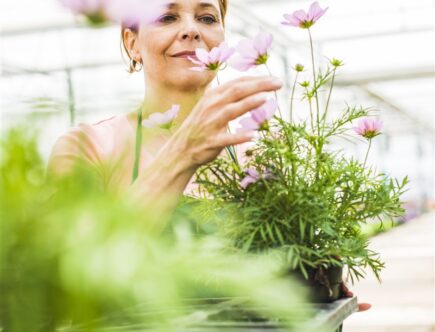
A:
x,y
185,55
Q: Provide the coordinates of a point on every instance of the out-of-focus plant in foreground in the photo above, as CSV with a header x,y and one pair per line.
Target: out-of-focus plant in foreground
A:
x,y
75,259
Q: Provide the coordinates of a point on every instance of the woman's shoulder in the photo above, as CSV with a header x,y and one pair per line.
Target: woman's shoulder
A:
x,y
89,142
97,133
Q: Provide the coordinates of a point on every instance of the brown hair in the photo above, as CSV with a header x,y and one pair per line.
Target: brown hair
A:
x,y
223,4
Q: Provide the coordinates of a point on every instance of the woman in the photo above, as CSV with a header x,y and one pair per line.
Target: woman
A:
x,y
168,159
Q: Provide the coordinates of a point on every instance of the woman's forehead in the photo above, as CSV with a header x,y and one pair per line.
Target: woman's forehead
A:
x,y
176,4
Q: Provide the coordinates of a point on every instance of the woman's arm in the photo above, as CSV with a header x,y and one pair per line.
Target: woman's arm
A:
x,y
199,140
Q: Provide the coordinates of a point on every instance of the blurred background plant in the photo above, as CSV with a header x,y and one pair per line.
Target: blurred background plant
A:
x,y
74,258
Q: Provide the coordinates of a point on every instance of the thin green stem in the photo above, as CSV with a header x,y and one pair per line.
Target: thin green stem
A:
x,y
231,151
137,145
276,94
328,100
217,79
367,153
315,81
311,111
292,96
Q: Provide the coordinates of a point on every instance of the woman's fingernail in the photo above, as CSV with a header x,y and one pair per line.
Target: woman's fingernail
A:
x,y
260,98
277,81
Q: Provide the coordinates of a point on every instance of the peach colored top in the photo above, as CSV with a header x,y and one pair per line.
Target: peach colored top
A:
x,y
108,148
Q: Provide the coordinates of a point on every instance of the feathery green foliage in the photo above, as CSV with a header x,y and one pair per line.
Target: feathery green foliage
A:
x,y
311,201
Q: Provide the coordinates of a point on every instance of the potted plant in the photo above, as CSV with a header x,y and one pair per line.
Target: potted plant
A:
x,y
296,193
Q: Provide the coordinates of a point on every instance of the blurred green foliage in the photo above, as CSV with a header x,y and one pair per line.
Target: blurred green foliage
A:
x,y
73,258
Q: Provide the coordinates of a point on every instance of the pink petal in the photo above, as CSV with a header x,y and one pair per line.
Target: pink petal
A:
x,y
358,131
202,55
199,69
195,61
291,20
259,115
247,181
173,112
226,52
248,124
247,50
315,12
214,55
300,15
270,107
262,42
253,173
288,17
241,64
133,12
156,117
378,124
148,124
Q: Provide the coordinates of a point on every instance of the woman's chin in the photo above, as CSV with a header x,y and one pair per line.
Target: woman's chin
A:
x,y
192,80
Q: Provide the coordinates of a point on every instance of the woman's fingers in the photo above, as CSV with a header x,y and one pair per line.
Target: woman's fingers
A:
x,y
348,293
234,110
228,85
364,306
226,139
240,90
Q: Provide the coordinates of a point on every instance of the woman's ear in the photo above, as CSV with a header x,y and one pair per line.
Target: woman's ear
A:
x,y
130,41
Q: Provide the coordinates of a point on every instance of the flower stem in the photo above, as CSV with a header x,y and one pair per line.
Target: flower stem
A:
x,y
367,153
276,95
231,151
138,145
311,110
327,102
315,82
292,97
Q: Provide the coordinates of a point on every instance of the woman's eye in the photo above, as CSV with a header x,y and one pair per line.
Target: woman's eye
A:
x,y
208,19
167,18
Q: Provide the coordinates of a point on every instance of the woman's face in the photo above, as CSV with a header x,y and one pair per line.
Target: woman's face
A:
x,y
164,46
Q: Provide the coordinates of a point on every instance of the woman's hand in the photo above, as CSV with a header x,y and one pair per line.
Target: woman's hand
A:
x,y
203,135
200,139
348,293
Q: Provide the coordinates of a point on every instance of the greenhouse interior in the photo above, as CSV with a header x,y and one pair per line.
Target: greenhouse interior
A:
x,y
250,194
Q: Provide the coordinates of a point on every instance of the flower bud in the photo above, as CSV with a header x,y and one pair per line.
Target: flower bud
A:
x,y
336,63
299,68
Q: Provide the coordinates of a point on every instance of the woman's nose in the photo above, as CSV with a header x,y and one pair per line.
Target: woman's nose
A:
x,y
190,32
192,35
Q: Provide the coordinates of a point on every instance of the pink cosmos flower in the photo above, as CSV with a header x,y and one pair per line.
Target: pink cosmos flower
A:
x,y
86,7
253,52
135,12
259,117
128,12
369,128
162,119
305,20
212,60
252,176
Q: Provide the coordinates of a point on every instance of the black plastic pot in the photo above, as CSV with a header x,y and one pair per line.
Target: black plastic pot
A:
x,y
323,284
